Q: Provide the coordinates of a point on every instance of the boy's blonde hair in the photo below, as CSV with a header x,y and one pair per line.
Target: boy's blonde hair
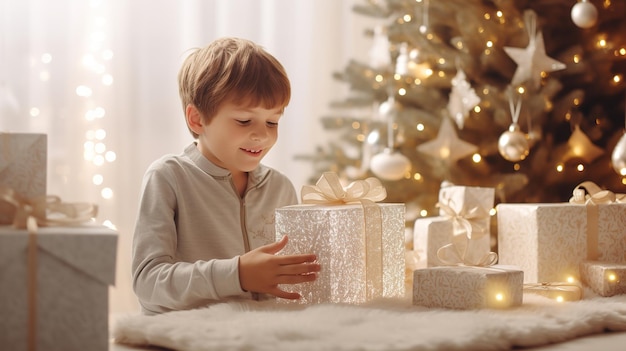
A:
x,y
232,70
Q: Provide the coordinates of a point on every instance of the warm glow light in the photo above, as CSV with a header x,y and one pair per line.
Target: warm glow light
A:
x,y
612,277
623,172
34,111
521,90
476,158
493,212
423,213
477,109
420,127
444,152
516,167
559,298
401,91
379,78
559,168
499,297
356,125
602,43
580,167
417,176
489,44
97,179
617,78
106,193
576,58
407,18
570,279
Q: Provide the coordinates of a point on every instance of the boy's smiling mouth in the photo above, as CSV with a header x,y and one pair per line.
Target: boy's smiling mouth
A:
x,y
252,151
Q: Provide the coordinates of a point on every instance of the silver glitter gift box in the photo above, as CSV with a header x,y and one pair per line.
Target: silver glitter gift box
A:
x,y
361,259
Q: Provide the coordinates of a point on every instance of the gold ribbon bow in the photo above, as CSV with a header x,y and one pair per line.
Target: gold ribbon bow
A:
x,y
467,227
593,196
329,191
30,214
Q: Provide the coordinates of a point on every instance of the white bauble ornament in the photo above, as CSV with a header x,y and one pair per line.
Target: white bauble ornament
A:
x,y
513,144
390,165
618,157
584,14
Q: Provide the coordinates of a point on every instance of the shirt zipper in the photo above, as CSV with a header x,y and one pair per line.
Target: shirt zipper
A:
x,y
244,229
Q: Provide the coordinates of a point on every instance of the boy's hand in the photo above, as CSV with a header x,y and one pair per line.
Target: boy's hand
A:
x,y
260,270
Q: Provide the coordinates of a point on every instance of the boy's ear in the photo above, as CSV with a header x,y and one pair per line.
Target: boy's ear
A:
x,y
194,119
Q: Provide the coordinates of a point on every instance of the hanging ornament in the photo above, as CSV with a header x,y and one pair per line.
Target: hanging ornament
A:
x,y
618,157
447,146
581,147
390,164
402,61
532,60
513,144
462,98
379,52
584,14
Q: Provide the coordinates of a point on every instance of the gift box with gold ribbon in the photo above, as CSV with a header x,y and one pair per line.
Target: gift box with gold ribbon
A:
x,y
468,287
358,241
461,232
55,272
550,240
23,162
604,278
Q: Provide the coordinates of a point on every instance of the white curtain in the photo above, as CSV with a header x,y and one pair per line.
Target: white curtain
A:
x,y
99,78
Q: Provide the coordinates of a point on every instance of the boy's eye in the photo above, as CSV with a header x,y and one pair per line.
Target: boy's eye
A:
x,y
243,122
272,124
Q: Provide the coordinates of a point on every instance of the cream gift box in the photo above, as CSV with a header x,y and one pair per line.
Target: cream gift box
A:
x,y
606,279
468,287
432,233
549,241
23,165
358,264
75,266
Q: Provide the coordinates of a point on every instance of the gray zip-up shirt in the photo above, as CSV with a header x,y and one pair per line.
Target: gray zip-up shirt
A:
x,y
192,227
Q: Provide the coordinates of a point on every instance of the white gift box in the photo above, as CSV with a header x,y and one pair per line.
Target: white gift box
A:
x,y
549,241
432,233
359,263
605,278
23,168
74,268
468,287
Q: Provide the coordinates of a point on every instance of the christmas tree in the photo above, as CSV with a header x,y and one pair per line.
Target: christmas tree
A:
x,y
523,96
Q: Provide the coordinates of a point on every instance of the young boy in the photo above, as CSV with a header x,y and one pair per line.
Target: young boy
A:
x,y
205,228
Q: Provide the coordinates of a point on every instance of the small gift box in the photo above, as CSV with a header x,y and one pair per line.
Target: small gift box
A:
x,y
359,243
433,233
54,289
23,165
549,241
461,234
468,287
606,279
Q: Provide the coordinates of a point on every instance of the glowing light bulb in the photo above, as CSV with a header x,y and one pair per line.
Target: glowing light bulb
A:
x,y
559,298
612,277
570,279
499,297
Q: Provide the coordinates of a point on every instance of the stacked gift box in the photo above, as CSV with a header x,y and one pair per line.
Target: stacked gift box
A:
x,y
456,268
54,278
358,242
583,240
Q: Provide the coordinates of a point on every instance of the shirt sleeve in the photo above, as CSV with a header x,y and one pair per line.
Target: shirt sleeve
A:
x,y
160,282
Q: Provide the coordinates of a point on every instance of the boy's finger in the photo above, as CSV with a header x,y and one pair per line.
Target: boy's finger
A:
x,y
275,246
296,259
285,294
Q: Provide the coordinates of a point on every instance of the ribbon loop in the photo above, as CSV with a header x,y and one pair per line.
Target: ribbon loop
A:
x,y
328,190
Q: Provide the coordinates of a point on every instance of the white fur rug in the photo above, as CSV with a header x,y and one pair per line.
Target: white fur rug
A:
x,y
380,325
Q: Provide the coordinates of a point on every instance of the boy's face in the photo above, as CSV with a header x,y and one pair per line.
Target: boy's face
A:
x,y
238,137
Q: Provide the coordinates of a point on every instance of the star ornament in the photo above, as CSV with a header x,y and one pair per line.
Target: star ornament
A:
x,y
447,146
462,98
581,147
532,61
